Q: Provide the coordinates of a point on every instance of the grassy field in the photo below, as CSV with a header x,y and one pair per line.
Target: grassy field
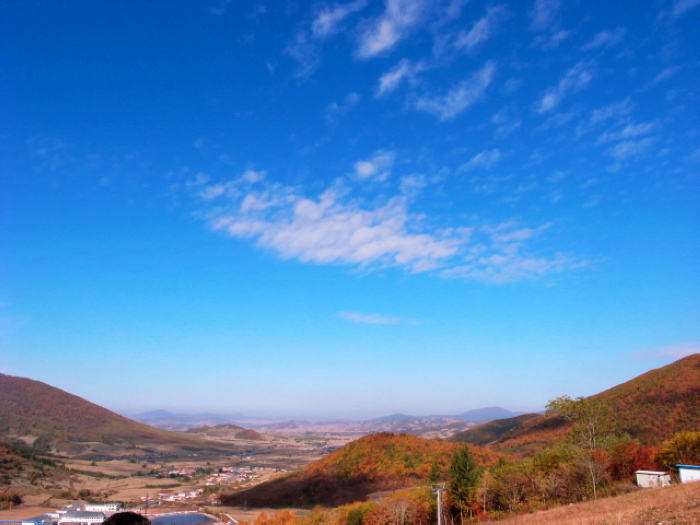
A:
x,y
676,504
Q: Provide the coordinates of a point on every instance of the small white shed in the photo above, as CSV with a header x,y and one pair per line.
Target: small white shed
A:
x,y
689,473
653,478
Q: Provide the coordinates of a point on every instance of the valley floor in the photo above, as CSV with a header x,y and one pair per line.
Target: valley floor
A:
x,y
676,504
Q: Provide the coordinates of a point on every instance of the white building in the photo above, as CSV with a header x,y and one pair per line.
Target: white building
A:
x,y
102,507
82,517
653,478
689,473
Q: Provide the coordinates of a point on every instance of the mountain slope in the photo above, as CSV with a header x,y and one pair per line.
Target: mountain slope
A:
x,y
33,408
491,431
651,407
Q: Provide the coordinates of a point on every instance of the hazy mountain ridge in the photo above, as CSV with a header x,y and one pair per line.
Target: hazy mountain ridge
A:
x,y
426,426
171,421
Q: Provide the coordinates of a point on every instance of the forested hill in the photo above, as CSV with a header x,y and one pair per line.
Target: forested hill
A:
x,y
651,407
382,461
33,408
655,405
492,431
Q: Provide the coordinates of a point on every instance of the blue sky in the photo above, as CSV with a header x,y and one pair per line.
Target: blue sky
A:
x,y
347,209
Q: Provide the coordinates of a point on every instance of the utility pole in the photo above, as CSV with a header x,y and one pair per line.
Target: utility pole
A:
x,y
438,488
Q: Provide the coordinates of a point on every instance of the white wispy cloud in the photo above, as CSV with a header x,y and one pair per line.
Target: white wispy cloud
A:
x,y
412,185
220,9
393,25
613,111
304,50
544,14
628,149
665,74
575,79
502,258
307,42
505,125
459,97
330,230
482,30
486,159
334,227
606,39
328,20
681,6
377,167
628,132
405,70
356,317
336,110
618,112
669,352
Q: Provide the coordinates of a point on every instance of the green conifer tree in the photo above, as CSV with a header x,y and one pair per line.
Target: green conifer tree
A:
x,y
464,478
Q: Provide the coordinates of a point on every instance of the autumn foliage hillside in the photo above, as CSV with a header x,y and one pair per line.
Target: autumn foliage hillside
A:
x,y
654,406
651,408
492,431
373,463
29,407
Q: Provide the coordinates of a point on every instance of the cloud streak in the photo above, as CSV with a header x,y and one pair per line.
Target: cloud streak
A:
x,y
482,30
459,97
405,70
328,21
575,79
356,317
382,34
544,14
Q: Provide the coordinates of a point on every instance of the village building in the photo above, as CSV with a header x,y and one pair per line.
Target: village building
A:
x,y
82,516
689,473
102,507
653,478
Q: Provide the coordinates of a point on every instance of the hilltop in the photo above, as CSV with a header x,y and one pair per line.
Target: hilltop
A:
x,y
651,408
49,419
227,432
377,462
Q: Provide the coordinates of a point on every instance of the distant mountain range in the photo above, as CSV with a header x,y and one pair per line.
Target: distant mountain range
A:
x,y
426,426
170,421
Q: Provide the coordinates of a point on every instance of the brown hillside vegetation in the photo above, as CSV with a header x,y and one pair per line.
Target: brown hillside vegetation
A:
x,y
373,463
492,431
227,431
19,465
651,408
676,504
33,408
